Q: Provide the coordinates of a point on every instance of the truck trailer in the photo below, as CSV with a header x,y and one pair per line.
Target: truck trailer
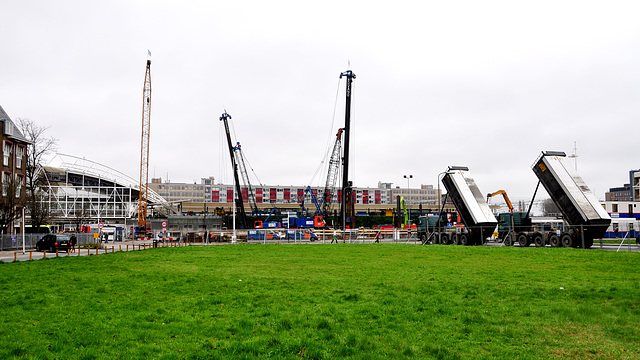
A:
x,y
473,210
587,219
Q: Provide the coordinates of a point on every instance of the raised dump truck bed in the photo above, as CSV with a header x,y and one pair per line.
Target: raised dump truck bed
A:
x,y
470,203
572,196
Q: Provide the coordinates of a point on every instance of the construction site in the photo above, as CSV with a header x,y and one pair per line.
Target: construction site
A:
x,y
87,197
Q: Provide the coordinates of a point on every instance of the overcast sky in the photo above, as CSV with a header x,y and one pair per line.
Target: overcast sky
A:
x,y
484,84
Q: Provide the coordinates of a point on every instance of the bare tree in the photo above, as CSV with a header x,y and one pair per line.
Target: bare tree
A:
x,y
549,208
36,203
39,147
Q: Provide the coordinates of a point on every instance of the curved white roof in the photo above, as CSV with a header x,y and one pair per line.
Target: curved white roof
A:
x,y
78,165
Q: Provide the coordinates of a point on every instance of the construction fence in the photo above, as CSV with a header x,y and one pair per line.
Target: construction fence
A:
x,y
15,242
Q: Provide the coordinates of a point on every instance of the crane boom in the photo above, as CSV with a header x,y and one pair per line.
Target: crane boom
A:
x,y
251,196
504,194
334,165
238,199
144,152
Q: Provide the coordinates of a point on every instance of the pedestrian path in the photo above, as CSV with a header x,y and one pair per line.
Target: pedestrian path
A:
x,y
31,254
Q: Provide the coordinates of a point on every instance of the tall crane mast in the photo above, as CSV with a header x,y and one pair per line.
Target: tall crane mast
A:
x,y
143,226
346,206
239,204
251,196
334,165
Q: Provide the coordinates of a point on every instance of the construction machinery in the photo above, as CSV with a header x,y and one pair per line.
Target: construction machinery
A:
x,y
144,228
479,222
259,224
242,218
251,196
346,205
504,195
332,175
586,219
316,219
512,222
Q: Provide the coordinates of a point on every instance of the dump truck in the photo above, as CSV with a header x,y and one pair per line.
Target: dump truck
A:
x,y
473,210
587,219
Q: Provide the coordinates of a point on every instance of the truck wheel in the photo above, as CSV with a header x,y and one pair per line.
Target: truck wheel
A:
x,y
523,240
554,240
455,240
567,240
507,241
444,239
464,240
538,240
423,238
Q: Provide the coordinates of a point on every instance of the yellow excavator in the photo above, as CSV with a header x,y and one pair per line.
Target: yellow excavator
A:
x,y
506,198
504,231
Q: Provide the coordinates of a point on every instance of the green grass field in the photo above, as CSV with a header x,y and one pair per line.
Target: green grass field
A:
x,y
374,301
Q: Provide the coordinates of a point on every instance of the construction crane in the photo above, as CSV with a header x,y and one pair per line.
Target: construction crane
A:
x,y
143,226
504,194
346,206
251,196
242,217
332,175
318,219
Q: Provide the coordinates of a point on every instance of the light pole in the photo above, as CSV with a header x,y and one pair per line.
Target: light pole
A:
x,y
439,197
408,196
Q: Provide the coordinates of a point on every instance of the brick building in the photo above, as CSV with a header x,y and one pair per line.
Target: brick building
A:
x,y
13,170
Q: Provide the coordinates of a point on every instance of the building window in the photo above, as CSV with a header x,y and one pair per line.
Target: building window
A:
x,y
7,152
20,180
19,155
6,180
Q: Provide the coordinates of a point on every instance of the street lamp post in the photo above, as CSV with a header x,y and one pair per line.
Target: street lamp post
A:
x,y
408,196
439,198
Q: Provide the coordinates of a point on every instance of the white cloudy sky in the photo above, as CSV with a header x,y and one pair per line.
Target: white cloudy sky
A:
x,y
485,84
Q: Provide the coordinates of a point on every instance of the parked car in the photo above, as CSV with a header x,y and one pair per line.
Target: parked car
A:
x,y
53,242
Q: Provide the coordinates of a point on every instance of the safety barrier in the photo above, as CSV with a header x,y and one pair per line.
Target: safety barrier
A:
x,y
103,249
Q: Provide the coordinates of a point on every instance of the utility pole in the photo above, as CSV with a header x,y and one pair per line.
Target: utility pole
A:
x,y
347,129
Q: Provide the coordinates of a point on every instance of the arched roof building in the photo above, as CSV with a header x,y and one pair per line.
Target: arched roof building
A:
x,y
81,190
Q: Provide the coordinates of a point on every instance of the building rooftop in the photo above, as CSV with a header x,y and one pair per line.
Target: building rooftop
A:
x,y
10,128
